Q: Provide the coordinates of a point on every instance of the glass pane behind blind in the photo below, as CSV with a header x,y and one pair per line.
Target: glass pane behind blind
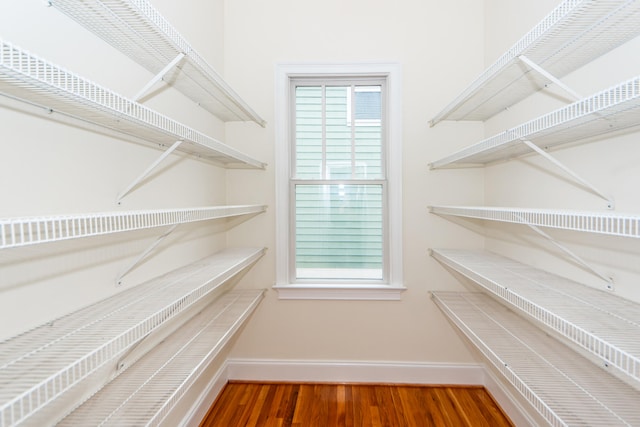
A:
x,y
339,232
368,132
338,133
352,144
308,143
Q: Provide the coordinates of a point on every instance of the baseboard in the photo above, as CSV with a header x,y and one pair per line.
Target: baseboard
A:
x,y
355,372
507,401
201,406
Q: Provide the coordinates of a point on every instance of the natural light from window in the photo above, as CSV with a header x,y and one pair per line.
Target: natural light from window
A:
x,y
338,184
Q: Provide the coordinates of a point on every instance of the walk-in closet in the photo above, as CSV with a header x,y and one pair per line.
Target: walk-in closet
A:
x,y
361,194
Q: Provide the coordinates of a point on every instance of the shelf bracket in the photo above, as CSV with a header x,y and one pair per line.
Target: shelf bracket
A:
x,y
569,252
550,76
555,80
575,176
147,171
158,77
144,254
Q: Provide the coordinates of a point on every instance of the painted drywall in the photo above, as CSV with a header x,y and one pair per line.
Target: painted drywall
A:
x,y
49,168
611,164
438,45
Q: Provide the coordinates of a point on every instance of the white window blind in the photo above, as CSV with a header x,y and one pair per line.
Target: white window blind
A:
x,y
338,181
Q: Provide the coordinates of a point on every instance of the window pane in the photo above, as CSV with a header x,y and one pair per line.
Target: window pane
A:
x,y
343,139
339,233
368,103
308,131
368,132
338,133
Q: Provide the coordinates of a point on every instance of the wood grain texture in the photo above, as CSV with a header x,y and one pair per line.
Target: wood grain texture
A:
x,y
353,405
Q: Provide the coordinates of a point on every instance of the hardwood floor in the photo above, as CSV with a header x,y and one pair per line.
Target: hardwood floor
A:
x,y
323,405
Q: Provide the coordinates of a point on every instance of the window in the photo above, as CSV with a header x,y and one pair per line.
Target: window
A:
x,y
338,183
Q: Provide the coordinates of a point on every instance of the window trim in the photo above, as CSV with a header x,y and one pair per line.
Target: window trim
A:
x,y
391,290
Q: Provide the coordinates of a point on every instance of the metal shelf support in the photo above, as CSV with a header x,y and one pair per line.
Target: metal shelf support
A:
x,y
144,254
512,215
158,77
550,76
572,254
147,171
572,174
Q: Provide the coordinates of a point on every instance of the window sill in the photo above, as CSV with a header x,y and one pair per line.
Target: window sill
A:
x,y
340,292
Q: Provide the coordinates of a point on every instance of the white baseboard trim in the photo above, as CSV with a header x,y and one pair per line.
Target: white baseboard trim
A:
x,y
201,406
356,372
507,401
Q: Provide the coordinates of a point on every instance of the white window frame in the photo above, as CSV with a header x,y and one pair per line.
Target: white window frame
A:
x,y
393,288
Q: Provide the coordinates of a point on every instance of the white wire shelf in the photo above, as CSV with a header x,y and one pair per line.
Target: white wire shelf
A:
x,y
612,224
139,31
573,34
599,322
146,392
26,77
611,110
39,367
18,232
564,388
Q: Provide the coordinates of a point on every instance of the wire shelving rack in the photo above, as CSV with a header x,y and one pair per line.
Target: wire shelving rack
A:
x,y
608,111
146,392
29,78
556,341
18,232
573,34
599,322
139,31
563,388
608,223
38,367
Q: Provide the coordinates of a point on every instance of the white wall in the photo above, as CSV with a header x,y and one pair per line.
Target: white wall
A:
x,y
51,168
440,47
610,164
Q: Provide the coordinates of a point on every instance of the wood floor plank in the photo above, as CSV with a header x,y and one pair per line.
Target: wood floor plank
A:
x,y
274,416
352,405
470,407
251,403
258,417
349,408
384,395
488,407
466,413
299,413
320,406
